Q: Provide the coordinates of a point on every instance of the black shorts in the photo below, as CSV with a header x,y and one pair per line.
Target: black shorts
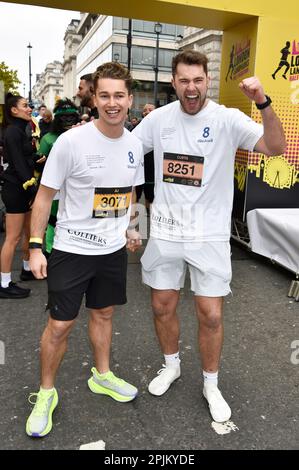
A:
x,y
15,198
102,278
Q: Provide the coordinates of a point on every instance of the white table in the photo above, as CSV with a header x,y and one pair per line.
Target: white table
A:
x,y
274,233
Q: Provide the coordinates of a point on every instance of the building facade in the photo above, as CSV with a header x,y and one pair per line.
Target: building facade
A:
x,y
105,38
49,86
95,39
208,42
72,41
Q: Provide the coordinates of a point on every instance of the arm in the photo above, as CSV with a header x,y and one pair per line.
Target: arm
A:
x,y
44,146
14,150
39,221
44,149
134,241
273,141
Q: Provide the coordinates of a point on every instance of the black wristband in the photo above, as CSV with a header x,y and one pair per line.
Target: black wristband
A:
x,y
33,245
264,105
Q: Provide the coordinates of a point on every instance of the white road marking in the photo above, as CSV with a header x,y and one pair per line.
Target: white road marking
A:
x,y
99,445
224,428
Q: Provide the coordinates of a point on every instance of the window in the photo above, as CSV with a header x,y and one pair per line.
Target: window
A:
x,y
147,27
144,57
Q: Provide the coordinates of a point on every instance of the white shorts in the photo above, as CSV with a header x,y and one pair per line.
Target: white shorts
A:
x,y
164,265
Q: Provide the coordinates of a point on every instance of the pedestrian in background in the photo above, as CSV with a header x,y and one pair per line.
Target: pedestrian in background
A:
x,y
18,191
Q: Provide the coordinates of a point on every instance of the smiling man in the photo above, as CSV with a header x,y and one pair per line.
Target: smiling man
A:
x,y
95,167
195,141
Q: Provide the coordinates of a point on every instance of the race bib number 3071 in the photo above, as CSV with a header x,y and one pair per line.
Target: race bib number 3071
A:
x,y
182,169
111,202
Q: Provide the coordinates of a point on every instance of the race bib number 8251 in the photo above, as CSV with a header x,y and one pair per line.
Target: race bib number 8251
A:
x,y
182,169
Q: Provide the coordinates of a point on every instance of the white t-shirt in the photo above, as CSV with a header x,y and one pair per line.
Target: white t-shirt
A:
x,y
95,176
194,168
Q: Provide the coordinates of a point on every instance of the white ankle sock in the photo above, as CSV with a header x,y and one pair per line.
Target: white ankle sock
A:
x,y
47,389
5,279
172,360
210,378
26,265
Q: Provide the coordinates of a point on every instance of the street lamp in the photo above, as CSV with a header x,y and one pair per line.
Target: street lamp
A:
x,y
158,30
116,57
29,47
129,43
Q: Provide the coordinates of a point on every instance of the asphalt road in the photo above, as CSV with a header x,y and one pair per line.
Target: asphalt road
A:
x,y
259,375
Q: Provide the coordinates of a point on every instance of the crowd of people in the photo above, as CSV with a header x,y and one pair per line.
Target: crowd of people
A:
x,y
190,145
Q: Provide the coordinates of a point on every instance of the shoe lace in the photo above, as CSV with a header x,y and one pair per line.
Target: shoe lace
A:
x,y
115,380
162,370
40,404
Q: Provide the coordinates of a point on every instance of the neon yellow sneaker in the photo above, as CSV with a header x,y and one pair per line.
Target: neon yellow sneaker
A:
x,y
39,423
109,384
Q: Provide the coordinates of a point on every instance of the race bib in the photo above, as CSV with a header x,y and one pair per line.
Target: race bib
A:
x,y
111,202
182,169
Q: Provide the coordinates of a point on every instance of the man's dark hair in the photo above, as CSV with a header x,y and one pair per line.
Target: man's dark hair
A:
x,y
87,77
89,80
189,57
113,70
42,106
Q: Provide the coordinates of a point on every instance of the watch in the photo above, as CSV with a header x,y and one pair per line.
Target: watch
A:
x,y
265,104
278,172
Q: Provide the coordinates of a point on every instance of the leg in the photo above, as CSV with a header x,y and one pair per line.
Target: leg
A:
x,y
100,333
164,305
14,228
277,70
26,236
286,70
53,347
210,336
26,274
103,381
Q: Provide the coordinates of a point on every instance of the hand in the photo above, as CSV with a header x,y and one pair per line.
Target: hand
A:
x,y
38,263
134,240
41,160
252,88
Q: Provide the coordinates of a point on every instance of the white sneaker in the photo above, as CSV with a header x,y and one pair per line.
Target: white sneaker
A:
x,y
219,409
164,379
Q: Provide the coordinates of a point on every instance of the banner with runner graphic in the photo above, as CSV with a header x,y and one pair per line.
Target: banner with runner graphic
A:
x,y
262,181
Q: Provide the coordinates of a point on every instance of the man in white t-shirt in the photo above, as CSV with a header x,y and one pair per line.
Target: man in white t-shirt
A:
x,y
194,142
95,168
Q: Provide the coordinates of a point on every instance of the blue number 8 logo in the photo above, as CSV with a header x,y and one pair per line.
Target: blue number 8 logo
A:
x,y
206,132
131,157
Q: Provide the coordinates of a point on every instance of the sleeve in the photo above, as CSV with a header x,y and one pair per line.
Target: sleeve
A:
x,y
245,131
45,146
59,163
14,144
139,175
144,132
